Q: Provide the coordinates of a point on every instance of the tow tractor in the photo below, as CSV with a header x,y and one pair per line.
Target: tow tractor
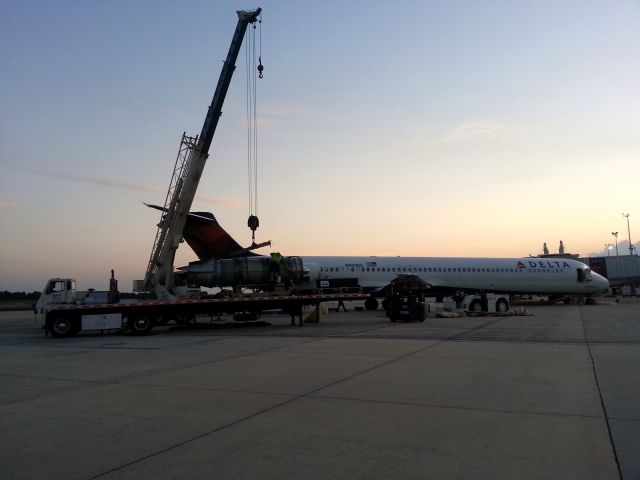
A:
x,y
68,311
478,303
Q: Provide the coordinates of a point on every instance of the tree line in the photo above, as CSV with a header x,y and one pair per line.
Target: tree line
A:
x,y
6,295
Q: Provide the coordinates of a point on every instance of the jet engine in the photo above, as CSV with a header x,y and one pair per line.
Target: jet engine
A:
x,y
245,272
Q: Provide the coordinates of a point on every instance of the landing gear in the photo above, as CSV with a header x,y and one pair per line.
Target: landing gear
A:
x,y
371,303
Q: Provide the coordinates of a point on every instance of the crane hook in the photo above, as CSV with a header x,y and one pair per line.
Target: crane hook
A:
x,y
260,67
253,223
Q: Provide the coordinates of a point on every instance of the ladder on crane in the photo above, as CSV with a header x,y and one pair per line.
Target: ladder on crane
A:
x,y
172,199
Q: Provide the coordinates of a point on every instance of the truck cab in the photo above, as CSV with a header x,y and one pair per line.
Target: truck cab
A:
x,y
56,291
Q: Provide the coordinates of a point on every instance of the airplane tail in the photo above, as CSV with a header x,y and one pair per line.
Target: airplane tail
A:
x,y
209,240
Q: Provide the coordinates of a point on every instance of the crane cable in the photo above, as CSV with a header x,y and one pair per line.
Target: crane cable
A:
x,y
252,124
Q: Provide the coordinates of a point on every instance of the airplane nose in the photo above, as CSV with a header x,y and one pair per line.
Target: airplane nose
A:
x,y
602,284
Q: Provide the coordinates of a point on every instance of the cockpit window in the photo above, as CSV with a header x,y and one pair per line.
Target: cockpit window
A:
x,y
584,274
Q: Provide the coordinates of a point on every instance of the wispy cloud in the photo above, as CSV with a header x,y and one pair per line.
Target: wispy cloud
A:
x,y
472,131
272,115
125,184
7,203
261,122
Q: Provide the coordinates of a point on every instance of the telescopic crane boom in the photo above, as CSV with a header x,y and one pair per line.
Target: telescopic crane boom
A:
x,y
192,156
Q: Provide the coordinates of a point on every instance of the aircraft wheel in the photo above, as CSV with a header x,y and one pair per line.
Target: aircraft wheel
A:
x,y
475,306
141,324
63,327
370,303
502,306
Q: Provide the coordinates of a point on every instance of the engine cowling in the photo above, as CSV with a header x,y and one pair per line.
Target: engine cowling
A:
x,y
245,271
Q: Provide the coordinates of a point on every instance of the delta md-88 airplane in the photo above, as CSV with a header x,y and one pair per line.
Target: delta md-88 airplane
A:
x,y
528,275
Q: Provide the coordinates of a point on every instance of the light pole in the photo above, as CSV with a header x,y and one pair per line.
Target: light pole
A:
x,y
627,215
615,234
608,247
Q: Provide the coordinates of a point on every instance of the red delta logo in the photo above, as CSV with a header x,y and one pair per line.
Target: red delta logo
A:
x,y
521,265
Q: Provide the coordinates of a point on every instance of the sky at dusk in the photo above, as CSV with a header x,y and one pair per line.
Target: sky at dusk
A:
x,y
423,128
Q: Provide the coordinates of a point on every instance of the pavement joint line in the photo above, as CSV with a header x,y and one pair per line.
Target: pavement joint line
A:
x,y
448,338
625,419
103,347
602,403
458,407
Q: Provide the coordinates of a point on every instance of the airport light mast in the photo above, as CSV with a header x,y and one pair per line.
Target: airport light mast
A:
x,y
627,215
192,156
615,234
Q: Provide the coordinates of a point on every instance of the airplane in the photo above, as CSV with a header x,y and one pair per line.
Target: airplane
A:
x,y
444,275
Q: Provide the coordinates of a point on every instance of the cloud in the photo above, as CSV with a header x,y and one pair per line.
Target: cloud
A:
x,y
476,130
108,182
472,131
261,122
8,203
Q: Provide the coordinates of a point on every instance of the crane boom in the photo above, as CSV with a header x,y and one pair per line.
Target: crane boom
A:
x,y
192,156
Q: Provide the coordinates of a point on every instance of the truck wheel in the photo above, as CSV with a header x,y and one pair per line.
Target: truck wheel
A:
x,y
502,306
370,303
475,306
141,324
62,327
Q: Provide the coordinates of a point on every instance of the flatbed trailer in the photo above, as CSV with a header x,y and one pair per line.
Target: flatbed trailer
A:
x,y
67,320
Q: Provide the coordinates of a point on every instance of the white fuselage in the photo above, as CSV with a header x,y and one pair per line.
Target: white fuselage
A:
x,y
513,275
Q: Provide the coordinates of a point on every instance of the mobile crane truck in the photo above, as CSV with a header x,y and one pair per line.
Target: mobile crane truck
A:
x,y
68,311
